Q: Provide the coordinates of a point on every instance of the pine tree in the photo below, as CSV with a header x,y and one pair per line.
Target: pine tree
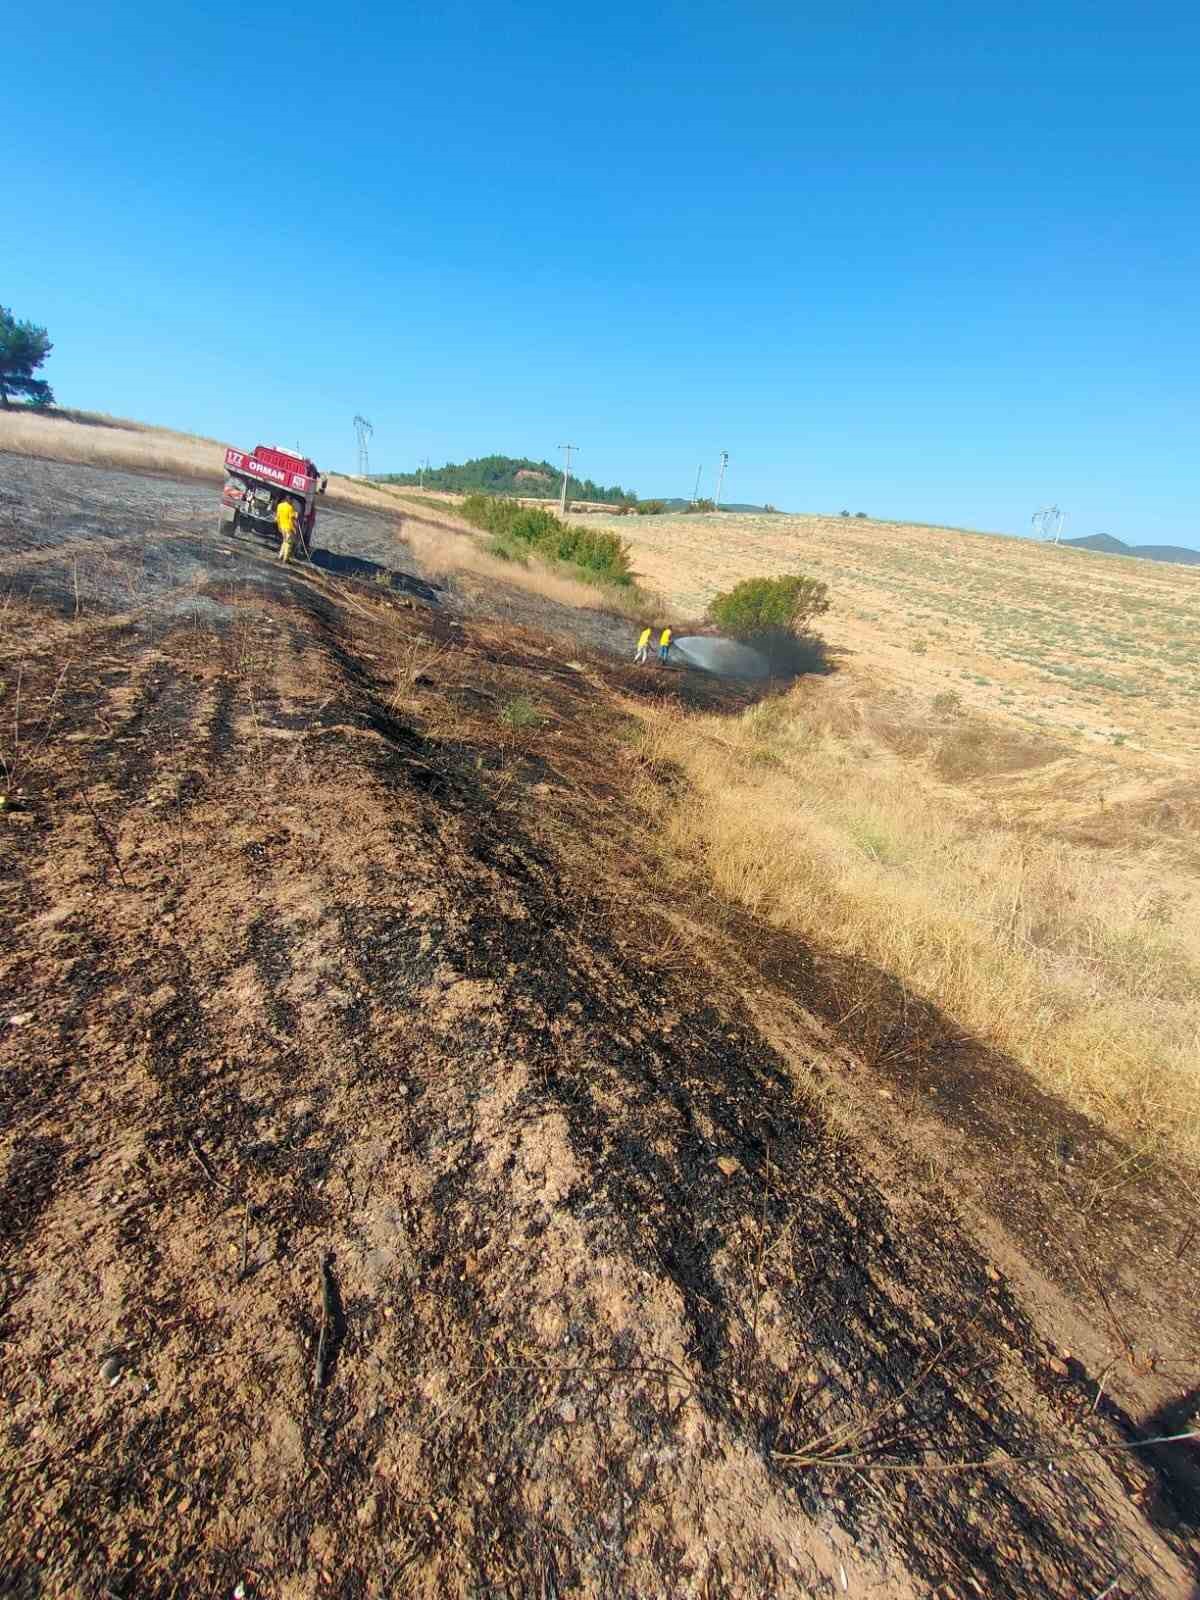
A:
x,y
23,348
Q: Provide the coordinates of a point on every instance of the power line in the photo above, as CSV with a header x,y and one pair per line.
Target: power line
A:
x,y
562,504
363,430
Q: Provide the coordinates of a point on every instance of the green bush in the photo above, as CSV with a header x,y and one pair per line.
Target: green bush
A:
x,y
762,606
599,556
650,508
520,712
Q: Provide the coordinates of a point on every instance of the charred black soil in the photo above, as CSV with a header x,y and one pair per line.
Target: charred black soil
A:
x,y
391,1204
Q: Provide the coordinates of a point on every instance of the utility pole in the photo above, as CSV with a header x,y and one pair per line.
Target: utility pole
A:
x,y
424,465
562,504
721,479
696,490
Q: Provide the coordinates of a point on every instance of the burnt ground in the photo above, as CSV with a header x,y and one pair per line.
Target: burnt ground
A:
x,y
399,1197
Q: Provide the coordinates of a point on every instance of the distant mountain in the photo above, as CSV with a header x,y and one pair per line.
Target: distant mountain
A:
x,y
1101,541
674,504
1167,552
1148,552
508,475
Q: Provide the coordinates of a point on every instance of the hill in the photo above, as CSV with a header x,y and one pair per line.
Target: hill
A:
x,y
1100,541
1107,545
415,1179
508,475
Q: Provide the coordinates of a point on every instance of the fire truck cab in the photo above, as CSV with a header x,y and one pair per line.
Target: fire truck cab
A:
x,y
256,481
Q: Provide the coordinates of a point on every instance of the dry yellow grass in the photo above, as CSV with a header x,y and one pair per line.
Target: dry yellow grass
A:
x,y
1030,866
1083,964
109,442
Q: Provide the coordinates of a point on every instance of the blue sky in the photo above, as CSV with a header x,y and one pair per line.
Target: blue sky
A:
x,y
937,261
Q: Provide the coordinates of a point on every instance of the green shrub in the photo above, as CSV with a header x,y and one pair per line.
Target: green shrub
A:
x,y
650,508
599,556
760,606
519,712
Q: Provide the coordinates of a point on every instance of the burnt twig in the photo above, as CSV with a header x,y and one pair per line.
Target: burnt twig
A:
x,y
204,1166
110,844
329,1324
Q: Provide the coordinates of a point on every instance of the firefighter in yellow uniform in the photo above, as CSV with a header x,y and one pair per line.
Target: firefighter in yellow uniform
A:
x,y
285,521
643,647
664,646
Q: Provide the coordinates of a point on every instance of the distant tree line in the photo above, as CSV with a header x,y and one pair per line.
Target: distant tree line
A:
x,y
510,476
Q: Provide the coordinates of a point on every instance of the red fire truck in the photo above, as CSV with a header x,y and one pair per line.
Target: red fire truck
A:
x,y
255,483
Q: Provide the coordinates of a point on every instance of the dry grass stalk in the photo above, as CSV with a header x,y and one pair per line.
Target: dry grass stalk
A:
x,y
995,1461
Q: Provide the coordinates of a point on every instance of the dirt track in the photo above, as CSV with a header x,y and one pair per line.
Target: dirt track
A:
x,y
455,1218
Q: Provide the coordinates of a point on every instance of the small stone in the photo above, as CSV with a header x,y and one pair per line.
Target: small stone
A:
x,y
728,1165
113,1368
1059,1368
21,1018
491,1478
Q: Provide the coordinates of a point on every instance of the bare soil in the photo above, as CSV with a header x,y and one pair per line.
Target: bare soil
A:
x,y
397,1197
